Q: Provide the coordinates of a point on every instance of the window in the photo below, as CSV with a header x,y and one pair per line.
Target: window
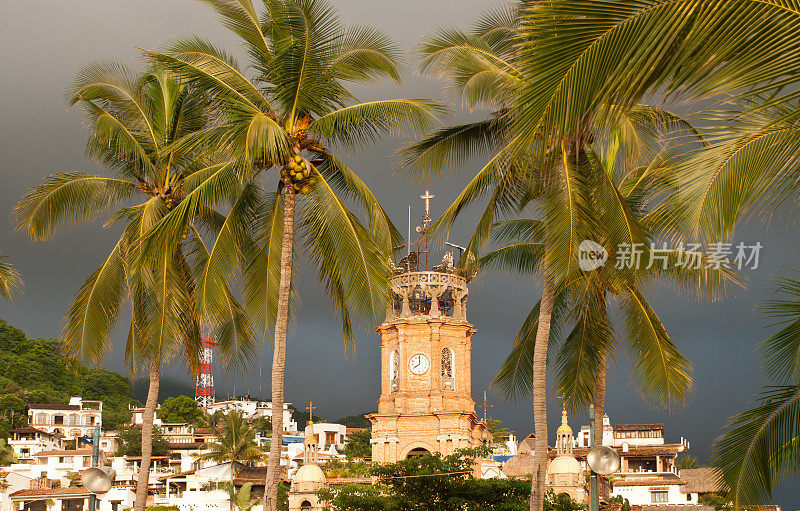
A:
x,y
659,497
73,419
58,419
41,418
447,369
394,371
330,437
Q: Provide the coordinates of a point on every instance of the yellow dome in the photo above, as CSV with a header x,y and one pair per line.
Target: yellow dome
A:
x,y
564,429
308,478
564,464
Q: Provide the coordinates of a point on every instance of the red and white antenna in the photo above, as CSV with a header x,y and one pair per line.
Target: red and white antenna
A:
x,y
204,385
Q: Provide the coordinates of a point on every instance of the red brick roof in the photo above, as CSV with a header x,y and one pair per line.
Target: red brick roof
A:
x,y
55,492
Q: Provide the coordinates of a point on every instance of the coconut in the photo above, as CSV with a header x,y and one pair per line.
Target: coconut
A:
x,y
305,189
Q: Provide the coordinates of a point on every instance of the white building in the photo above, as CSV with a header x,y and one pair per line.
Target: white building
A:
x,y
28,441
15,482
70,499
329,434
648,474
76,419
252,409
66,460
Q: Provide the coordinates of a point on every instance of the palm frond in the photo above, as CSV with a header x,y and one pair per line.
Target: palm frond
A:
x,y
781,351
345,255
661,373
760,447
93,313
10,279
515,377
68,198
362,123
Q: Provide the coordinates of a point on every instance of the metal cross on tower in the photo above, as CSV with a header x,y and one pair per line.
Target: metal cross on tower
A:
x,y
311,409
485,406
426,222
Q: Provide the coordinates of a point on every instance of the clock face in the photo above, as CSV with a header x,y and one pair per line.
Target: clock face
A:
x,y
419,364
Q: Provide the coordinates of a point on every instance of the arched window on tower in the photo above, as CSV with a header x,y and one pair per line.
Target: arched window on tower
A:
x,y
394,371
447,369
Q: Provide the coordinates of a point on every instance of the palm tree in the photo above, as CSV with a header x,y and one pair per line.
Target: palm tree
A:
x,y
688,461
761,446
10,280
583,54
483,69
136,121
242,499
235,444
660,372
280,119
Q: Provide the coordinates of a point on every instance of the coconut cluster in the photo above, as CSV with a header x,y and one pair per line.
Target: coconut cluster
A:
x,y
301,171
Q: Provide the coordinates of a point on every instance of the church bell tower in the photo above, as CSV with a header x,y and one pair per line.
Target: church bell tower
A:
x,y
425,405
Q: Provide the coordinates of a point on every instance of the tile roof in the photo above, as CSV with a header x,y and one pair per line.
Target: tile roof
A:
x,y
679,507
638,427
28,429
186,445
52,406
179,474
66,452
651,481
701,480
54,492
337,481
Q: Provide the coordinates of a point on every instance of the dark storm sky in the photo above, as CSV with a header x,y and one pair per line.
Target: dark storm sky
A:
x,y
43,42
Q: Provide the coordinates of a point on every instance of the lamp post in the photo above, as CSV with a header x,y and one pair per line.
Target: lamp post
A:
x,y
95,460
594,498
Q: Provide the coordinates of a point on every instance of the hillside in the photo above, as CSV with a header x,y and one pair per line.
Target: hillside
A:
x,y
35,371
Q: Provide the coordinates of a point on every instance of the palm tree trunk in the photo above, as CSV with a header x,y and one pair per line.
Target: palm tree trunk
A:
x,y
540,394
279,354
233,488
599,402
147,436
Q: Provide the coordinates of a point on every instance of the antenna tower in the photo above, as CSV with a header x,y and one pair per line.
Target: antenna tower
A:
x,y
204,384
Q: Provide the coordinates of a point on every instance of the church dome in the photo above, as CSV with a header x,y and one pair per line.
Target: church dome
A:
x,y
309,477
565,429
564,464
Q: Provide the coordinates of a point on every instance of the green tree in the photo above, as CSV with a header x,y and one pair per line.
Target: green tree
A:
x,y
687,461
10,279
281,122
431,483
242,499
358,445
6,454
130,442
136,122
761,445
235,445
180,409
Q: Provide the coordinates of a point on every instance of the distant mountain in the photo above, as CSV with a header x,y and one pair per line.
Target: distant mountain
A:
x,y
36,371
355,421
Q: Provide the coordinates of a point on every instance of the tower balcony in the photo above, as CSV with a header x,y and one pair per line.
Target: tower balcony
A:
x,y
428,294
